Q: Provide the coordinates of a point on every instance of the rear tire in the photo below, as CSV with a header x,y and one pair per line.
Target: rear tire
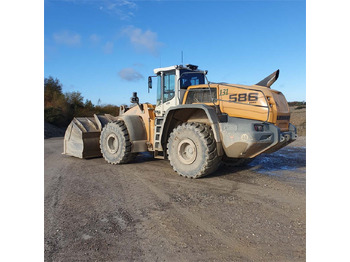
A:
x,y
115,143
192,150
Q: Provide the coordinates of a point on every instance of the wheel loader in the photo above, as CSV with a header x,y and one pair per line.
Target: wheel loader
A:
x,y
195,124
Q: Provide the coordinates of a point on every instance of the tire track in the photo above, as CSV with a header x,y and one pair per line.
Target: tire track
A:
x,y
242,250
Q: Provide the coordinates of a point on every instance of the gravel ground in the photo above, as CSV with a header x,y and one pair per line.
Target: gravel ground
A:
x,y
144,211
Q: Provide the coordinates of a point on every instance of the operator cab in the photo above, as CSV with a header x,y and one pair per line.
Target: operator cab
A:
x,y
172,83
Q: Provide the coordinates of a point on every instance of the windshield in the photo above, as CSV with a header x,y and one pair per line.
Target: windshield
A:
x,y
190,78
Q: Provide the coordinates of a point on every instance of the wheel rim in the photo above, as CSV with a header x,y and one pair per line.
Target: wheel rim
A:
x,y
187,151
112,143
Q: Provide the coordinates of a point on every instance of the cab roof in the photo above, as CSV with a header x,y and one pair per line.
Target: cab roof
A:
x,y
188,66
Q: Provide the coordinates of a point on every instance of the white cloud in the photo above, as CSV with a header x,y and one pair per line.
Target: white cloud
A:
x,y
130,74
122,8
94,38
143,40
108,47
67,38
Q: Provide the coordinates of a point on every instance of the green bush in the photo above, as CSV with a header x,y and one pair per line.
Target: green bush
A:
x,y
54,116
107,109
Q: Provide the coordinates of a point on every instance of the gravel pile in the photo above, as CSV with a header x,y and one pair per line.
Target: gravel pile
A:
x,y
53,131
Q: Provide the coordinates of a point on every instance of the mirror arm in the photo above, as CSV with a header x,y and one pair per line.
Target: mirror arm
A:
x,y
150,82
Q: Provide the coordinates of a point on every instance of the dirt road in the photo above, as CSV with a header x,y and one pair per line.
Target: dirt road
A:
x,y
145,212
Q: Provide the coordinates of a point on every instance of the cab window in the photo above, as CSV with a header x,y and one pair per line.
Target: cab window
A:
x,y
189,78
159,90
168,86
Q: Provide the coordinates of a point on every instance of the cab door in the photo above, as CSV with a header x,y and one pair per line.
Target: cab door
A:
x,y
166,92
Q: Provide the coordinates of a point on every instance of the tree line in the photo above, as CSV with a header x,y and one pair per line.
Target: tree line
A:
x,y
60,109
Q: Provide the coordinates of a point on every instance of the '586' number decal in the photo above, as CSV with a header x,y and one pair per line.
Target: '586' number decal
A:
x,y
242,97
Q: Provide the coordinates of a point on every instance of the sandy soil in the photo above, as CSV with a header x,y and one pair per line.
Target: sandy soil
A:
x,y
144,211
298,118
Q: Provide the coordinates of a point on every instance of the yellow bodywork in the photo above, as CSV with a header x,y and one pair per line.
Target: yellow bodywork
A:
x,y
148,117
249,102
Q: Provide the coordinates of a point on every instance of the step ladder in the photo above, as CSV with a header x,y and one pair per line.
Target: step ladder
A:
x,y
158,149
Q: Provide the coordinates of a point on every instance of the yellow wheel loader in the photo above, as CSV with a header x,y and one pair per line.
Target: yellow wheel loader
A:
x,y
196,124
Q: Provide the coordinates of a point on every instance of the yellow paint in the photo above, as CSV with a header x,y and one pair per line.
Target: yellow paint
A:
x,y
250,102
148,118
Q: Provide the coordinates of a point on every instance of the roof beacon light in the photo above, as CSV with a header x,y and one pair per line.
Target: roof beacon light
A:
x,y
192,67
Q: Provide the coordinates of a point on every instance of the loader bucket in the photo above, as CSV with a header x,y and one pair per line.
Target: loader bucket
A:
x,y
82,137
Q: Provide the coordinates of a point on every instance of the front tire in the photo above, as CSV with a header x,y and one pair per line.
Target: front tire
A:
x,y
115,143
192,150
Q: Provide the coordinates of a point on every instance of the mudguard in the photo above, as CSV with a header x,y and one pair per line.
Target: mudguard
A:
x,y
192,113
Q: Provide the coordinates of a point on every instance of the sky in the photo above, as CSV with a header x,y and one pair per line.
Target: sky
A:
x,y
106,49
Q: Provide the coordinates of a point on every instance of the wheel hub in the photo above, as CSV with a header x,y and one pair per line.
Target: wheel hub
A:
x,y
187,151
112,143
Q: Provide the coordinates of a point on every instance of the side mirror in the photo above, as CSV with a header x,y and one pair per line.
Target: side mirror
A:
x,y
149,83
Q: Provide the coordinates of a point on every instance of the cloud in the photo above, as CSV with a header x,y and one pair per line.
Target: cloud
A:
x,y
67,38
122,8
130,74
143,40
108,47
95,39
138,64
114,4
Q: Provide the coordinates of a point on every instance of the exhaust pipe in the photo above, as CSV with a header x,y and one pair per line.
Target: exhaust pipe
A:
x,y
268,81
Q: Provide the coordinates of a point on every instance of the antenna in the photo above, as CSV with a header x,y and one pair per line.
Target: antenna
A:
x,y
182,57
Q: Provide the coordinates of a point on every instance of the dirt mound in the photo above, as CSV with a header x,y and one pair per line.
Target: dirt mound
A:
x,y
53,131
298,118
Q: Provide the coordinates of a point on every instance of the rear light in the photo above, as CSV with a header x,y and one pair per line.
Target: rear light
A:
x,y
258,127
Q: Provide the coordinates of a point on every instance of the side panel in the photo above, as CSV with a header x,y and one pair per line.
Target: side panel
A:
x,y
244,102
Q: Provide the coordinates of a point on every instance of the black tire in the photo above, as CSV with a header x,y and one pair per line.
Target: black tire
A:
x,y
192,150
236,162
115,143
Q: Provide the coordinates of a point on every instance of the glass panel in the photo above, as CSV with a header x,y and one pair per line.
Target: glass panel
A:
x,y
169,86
201,95
191,79
159,91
